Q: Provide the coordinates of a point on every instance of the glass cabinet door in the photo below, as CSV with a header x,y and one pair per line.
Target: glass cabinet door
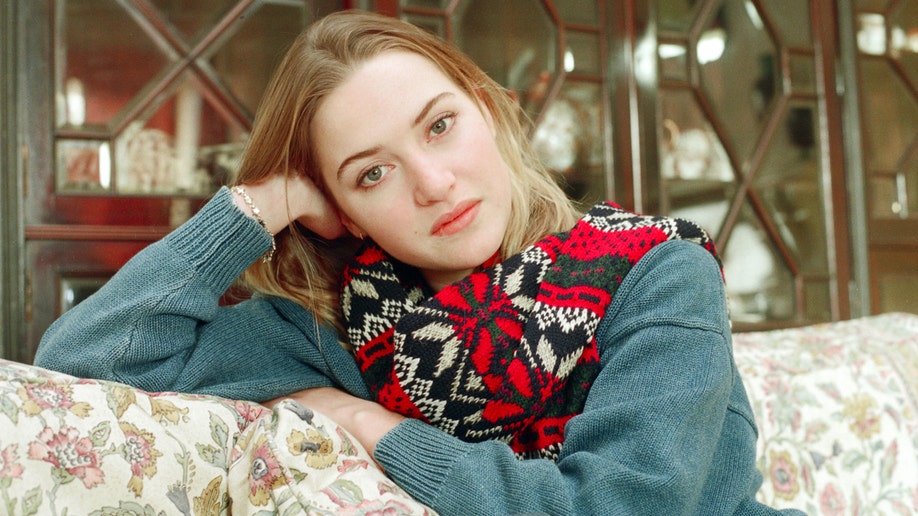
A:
x,y
886,49
149,104
744,149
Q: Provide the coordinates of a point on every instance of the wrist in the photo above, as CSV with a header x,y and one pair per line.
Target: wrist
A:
x,y
245,203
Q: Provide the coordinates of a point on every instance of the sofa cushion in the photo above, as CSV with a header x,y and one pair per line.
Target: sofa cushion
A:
x,y
837,414
100,448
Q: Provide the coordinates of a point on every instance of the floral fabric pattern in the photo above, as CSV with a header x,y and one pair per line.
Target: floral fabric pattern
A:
x,y
836,406
837,410
74,446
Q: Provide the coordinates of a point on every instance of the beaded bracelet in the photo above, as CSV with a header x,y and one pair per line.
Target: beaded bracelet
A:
x,y
256,214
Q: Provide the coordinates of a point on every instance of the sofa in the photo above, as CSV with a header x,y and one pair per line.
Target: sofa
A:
x,y
835,404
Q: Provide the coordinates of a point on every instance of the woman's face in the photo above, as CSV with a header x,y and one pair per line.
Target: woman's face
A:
x,y
413,163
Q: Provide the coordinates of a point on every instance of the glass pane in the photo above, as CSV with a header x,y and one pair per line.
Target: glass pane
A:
x,y
248,57
677,15
788,182
883,196
817,300
890,114
791,19
802,74
673,61
904,29
193,19
689,148
582,52
897,292
739,73
577,11
514,41
569,141
184,147
759,284
100,71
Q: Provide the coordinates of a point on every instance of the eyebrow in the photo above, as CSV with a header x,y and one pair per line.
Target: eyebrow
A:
x,y
373,150
427,107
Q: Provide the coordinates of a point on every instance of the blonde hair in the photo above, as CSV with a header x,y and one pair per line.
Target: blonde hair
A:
x,y
305,267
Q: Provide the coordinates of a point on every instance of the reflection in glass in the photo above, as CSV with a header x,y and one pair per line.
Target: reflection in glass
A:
x,y
112,66
711,45
83,166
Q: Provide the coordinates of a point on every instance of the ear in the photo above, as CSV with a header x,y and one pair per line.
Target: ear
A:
x,y
351,226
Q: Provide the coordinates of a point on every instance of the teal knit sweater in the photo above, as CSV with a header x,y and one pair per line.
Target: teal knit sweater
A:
x,y
667,427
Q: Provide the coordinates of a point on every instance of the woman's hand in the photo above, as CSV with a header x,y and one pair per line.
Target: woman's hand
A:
x,y
366,420
282,199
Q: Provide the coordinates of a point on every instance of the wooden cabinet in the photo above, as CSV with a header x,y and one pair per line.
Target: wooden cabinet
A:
x,y
763,120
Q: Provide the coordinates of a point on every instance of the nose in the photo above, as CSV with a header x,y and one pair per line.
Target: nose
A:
x,y
431,179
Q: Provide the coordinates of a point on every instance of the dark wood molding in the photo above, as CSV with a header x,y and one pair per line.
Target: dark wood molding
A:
x,y
12,154
95,232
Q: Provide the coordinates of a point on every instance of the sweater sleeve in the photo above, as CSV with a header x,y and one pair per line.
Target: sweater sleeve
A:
x,y
158,325
666,428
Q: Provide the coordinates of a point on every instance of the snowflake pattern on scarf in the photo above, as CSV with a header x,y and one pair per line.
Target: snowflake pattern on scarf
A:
x,y
509,352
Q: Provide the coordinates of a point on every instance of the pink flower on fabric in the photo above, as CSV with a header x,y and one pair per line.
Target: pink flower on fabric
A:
x,y
265,474
248,412
140,452
9,468
46,396
832,501
783,475
67,451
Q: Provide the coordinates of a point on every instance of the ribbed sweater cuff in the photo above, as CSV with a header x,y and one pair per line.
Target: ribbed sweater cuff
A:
x,y
220,241
419,457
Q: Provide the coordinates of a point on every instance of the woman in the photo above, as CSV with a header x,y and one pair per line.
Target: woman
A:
x,y
485,329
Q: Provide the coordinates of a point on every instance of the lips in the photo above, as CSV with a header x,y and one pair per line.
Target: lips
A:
x,y
456,219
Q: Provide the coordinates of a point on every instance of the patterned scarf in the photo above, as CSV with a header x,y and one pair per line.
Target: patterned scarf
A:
x,y
509,352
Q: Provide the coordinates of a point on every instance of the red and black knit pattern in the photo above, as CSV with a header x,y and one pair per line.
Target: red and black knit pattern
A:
x,y
508,353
